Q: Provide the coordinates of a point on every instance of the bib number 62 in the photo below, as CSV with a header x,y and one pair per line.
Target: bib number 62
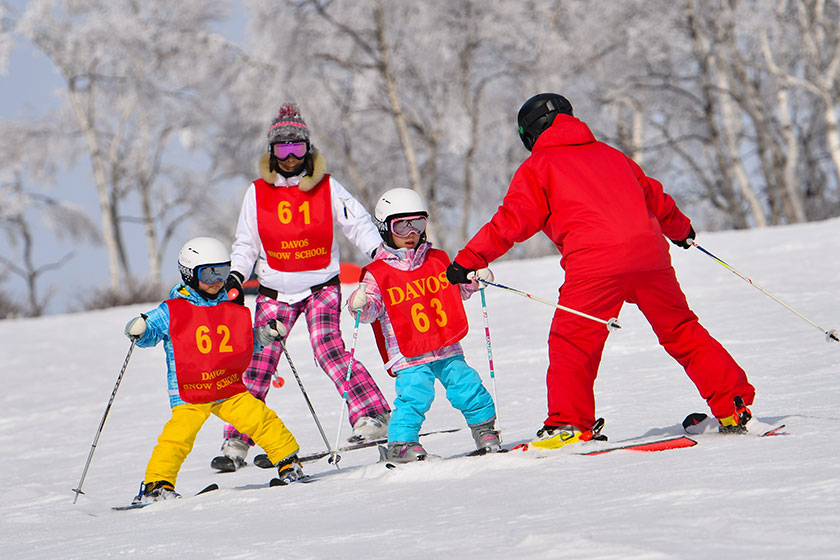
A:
x,y
205,343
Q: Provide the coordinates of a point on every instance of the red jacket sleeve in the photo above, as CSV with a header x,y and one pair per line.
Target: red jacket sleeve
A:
x,y
674,224
523,213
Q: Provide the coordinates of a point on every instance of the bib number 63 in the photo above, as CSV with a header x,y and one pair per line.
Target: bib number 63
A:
x,y
421,319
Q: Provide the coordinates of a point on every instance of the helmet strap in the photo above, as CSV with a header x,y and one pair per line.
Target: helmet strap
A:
x,y
208,296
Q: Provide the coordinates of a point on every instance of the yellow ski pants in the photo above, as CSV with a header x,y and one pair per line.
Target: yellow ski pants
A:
x,y
246,413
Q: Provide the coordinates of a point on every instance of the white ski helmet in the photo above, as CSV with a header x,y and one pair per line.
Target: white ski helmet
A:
x,y
397,203
198,252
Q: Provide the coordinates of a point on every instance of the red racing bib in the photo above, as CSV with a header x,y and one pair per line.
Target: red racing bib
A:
x,y
425,310
296,227
212,347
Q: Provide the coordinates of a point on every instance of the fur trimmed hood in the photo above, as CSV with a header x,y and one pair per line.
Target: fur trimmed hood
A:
x,y
307,182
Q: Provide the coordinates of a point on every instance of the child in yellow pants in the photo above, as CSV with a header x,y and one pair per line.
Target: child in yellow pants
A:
x,y
208,342
179,433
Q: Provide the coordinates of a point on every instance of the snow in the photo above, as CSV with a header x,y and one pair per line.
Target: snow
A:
x,y
741,497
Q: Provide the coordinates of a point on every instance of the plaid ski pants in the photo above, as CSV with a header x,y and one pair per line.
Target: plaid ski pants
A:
x,y
321,310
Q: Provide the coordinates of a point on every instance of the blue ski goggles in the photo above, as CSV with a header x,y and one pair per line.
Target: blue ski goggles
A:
x,y
212,273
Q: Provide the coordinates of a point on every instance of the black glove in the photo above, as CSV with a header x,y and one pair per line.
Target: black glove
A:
x,y
233,287
684,242
457,274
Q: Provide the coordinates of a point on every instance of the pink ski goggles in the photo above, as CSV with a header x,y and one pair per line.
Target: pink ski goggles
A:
x,y
284,150
403,227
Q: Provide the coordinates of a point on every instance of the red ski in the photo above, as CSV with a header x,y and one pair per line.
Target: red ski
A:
x,y
698,423
650,445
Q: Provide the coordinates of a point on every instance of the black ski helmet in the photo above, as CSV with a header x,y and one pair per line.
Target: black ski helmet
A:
x,y
538,113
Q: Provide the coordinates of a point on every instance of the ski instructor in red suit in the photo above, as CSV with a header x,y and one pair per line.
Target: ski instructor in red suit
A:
x,y
610,223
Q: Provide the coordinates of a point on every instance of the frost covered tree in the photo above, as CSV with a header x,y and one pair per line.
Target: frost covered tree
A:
x,y
6,37
63,218
733,104
27,212
403,95
711,98
426,95
132,94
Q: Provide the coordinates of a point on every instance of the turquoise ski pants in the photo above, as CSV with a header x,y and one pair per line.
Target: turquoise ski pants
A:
x,y
415,387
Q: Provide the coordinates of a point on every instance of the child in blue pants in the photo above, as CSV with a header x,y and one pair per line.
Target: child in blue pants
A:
x,y
421,317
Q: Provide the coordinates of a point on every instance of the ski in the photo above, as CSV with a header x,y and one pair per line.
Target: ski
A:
x,y
131,506
430,458
225,464
483,451
777,431
638,444
665,444
263,462
698,423
208,488
595,447
305,479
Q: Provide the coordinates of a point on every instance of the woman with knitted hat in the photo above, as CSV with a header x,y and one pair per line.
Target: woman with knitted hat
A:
x,y
285,234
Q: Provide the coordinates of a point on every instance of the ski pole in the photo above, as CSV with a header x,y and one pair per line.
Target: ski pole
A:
x,y
102,422
333,454
612,324
490,362
346,381
829,334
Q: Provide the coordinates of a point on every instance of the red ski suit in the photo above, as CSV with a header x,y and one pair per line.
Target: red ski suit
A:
x,y
607,219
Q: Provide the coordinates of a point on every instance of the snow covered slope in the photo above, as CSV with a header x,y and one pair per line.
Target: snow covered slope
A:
x,y
724,498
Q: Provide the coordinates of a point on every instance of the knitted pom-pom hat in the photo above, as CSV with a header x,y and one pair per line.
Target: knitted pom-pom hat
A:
x,y
288,126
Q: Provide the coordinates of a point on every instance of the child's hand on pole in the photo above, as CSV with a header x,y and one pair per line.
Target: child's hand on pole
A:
x,y
481,275
135,328
358,300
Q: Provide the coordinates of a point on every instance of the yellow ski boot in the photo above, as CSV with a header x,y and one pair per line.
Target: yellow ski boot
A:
x,y
555,437
736,423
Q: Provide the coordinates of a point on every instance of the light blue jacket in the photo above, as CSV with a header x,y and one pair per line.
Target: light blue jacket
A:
x,y
157,329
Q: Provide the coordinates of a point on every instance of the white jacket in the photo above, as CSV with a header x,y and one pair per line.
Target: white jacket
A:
x,y
347,212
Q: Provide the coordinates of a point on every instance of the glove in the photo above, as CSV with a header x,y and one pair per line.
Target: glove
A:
x,y
484,274
273,331
684,243
358,299
457,274
135,328
233,287
481,274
